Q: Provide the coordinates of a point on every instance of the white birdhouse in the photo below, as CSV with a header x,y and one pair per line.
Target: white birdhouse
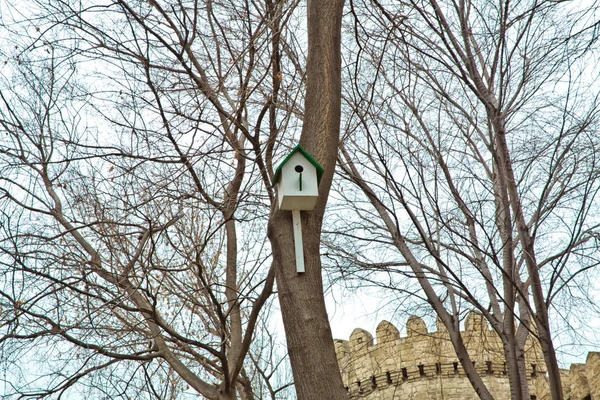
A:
x,y
297,179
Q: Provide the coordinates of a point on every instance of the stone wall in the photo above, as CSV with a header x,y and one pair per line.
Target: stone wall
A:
x,y
423,365
582,381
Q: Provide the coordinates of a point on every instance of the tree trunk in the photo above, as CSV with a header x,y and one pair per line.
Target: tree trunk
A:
x,y
308,333
541,310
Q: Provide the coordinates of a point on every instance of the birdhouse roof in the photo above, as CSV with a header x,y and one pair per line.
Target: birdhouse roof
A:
x,y
314,162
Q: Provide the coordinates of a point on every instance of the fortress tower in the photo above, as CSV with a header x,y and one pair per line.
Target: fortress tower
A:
x,y
423,365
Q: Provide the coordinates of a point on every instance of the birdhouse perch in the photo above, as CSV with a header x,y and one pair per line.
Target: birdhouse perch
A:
x,y
297,179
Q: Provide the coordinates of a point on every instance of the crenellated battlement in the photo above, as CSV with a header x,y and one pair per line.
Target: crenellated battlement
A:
x,y
420,361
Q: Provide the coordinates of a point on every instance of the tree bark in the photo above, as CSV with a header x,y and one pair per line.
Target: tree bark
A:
x,y
308,333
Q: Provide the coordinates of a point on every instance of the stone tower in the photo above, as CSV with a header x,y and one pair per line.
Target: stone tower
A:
x,y
423,365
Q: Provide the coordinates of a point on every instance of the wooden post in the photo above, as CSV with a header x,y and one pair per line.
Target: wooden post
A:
x,y
298,241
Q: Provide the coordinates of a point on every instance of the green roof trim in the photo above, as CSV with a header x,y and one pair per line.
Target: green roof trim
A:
x,y
310,158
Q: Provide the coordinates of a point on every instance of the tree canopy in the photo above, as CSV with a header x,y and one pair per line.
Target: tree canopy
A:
x,y
140,241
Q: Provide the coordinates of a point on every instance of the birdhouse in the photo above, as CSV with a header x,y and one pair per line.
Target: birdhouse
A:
x,y
297,179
